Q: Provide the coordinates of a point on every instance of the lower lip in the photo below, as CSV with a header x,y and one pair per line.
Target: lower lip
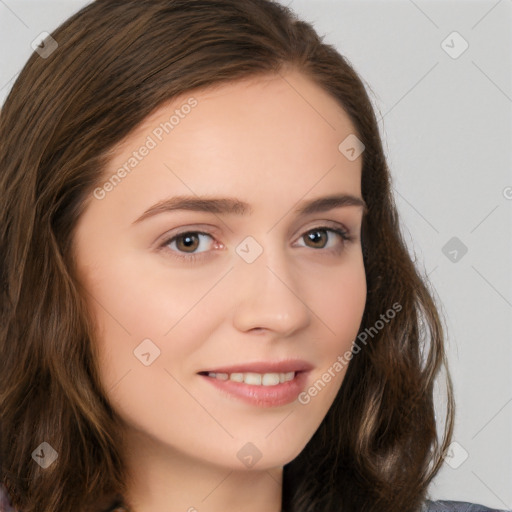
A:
x,y
262,396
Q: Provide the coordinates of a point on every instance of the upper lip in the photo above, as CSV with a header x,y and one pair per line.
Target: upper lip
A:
x,y
289,365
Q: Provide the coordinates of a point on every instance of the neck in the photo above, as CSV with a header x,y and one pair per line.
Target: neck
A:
x,y
167,479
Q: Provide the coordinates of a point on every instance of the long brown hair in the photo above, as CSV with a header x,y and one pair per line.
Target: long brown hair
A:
x,y
378,447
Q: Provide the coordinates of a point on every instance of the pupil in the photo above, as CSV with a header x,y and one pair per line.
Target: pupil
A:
x,y
313,236
188,240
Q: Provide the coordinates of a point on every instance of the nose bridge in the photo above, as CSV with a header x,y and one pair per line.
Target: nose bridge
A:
x,y
268,292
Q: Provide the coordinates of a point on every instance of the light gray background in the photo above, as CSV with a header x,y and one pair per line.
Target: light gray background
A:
x,y
447,127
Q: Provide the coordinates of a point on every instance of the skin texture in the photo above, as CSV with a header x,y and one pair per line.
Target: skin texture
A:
x,y
271,141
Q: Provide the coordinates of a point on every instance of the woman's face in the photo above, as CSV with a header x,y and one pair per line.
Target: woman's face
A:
x,y
178,291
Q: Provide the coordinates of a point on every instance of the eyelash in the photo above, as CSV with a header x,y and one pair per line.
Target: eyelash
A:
x,y
192,257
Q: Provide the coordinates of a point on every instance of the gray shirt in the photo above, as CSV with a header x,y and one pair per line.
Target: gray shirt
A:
x,y
457,506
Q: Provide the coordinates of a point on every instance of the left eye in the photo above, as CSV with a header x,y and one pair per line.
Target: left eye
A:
x,y
312,235
188,242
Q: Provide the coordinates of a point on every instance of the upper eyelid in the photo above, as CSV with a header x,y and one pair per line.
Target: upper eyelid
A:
x,y
215,231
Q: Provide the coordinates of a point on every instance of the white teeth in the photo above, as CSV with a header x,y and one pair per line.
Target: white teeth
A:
x,y
255,379
270,379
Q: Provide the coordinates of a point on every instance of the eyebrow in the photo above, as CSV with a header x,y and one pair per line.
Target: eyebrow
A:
x,y
233,206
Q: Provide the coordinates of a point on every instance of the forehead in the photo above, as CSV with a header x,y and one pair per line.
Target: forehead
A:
x,y
282,95
252,138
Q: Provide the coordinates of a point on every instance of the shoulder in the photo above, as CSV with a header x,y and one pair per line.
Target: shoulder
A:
x,y
457,506
5,501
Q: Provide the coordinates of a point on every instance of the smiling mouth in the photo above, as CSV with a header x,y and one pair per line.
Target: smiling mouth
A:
x,y
265,389
252,378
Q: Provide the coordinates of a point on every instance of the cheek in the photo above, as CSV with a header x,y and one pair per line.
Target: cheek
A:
x,y
138,315
340,305
131,304
141,300
340,309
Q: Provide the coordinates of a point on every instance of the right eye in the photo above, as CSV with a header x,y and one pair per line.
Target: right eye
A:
x,y
186,243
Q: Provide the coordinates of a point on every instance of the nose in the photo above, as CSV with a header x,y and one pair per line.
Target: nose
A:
x,y
268,296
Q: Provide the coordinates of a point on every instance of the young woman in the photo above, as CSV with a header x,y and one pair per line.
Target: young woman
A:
x,y
206,301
